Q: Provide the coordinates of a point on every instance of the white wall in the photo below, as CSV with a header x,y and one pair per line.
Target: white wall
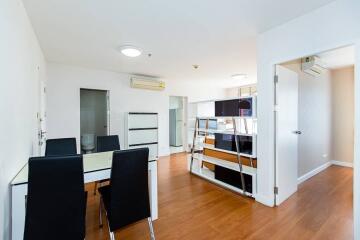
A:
x,y
20,57
232,92
176,102
314,118
63,100
343,114
336,25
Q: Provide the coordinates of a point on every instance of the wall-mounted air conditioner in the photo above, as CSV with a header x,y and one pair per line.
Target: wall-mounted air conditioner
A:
x,y
144,83
312,65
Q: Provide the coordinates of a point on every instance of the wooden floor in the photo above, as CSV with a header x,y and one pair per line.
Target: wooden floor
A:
x,y
191,208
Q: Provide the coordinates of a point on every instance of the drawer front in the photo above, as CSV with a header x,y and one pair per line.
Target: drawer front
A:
x,y
143,136
142,121
153,150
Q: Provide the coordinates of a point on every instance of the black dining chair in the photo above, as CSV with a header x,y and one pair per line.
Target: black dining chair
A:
x,y
126,199
105,144
60,147
56,200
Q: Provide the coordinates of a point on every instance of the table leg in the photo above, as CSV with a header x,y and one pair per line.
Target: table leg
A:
x,y
153,189
18,207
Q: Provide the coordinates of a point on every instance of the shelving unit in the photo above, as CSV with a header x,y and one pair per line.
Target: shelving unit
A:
x,y
199,158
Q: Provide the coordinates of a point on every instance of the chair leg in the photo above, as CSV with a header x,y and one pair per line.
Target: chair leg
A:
x,y
100,212
152,234
112,236
95,188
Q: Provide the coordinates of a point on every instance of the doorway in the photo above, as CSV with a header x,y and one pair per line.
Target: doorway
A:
x,y
314,119
177,124
94,117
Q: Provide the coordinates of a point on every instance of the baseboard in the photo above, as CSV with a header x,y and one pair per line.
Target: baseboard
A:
x,y
266,200
312,173
341,163
164,153
322,168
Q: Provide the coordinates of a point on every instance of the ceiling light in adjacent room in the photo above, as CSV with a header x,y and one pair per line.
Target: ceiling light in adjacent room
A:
x,y
239,76
130,51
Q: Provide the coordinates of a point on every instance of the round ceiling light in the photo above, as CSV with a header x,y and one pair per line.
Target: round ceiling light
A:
x,y
239,76
130,51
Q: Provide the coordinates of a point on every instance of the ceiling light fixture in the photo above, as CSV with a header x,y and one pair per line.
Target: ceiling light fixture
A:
x,y
239,76
130,51
195,66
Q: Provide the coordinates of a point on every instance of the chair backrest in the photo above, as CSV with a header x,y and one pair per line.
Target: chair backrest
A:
x,y
56,201
108,143
60,147
129,201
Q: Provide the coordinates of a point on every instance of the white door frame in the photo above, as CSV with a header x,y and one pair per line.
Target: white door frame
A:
x,y
108,111
108,132
41,115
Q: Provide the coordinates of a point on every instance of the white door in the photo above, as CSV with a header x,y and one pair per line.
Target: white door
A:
x,y
287,133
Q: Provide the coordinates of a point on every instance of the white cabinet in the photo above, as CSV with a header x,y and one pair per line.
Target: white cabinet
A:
x,y
142,131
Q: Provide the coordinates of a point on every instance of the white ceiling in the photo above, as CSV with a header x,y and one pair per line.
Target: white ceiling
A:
x,y
220,36
338,58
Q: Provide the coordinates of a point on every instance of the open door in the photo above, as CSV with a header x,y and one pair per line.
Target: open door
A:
x,y
286,147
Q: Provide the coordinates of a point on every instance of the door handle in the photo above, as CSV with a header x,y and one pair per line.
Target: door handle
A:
x,y
297,132
41,133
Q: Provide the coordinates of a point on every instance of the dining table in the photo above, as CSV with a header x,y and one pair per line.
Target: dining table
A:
x,y
97,166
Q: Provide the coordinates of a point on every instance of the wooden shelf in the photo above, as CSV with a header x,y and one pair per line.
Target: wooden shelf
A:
x,y
226,164
225,117
209,146
201,146
221,131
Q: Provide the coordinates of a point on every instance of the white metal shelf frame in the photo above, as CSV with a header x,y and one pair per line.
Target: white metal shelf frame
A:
x,y
219,162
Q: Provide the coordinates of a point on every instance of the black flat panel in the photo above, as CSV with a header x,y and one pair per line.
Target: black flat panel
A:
x,y
227,142
233,178
245,144
227,108
234,108
245,107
